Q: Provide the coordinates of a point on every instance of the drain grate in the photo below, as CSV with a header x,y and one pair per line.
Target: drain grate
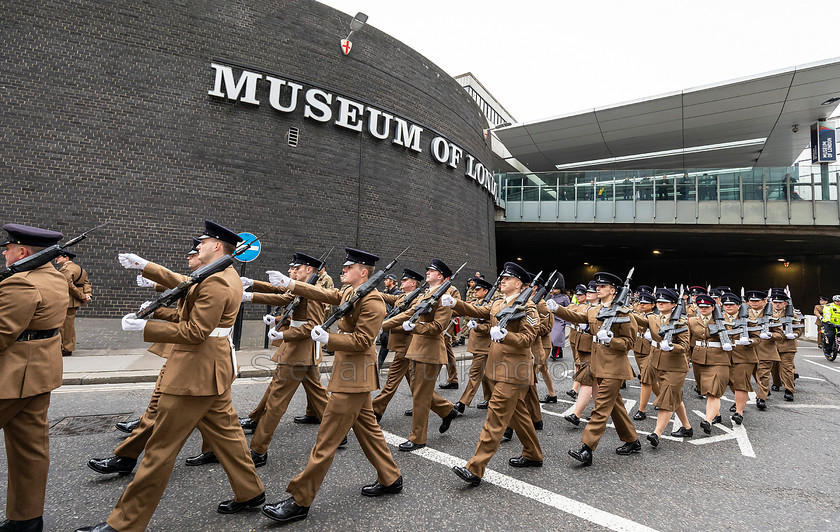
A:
x,y
80,425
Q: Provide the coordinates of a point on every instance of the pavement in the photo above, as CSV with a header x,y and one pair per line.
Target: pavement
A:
x,y
127,360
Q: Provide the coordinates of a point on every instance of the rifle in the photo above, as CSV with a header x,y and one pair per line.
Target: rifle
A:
x,y
516,309
718,327
426,306
743,320
540,293
360,292
36,260
668,330
790,314
407,301
172,295
609,315
291,307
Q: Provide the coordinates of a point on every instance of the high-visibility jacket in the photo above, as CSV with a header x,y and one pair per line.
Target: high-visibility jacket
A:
x,y
831,313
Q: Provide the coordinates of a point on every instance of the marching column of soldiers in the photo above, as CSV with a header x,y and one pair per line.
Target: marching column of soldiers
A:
x,y
731,342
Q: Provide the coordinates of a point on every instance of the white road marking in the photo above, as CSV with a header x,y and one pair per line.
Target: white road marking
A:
x,y
822,366
830,407
549,498
737,433
812,378
81,388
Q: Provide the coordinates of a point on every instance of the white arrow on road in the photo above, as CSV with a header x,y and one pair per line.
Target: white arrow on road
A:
x,y
737,433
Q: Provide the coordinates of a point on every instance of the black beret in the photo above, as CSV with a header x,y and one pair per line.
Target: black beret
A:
x,y
26,235
355,256
219,232
512,269
666,295
607,278
302,259
439,265
411,274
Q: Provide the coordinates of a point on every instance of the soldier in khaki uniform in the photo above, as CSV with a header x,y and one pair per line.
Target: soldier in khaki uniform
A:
x,y
670,363
297,358
582,341
786,344
765,347
33,305
195,392
398,342
428,352
479,345
641,351
449,339
743,357
538,350
80,294
126,453
353,377
510,368
610,368
710,358
818,312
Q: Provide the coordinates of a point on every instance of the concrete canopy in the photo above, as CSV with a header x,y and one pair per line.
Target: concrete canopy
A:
x,y
739,123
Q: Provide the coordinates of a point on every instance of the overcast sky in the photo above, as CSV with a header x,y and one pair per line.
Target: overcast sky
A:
x,y
546,58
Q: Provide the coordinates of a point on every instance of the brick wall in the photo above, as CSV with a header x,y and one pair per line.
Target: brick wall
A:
x,y
107,117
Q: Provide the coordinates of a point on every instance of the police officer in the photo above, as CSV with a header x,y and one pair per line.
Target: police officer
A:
x,y
33,305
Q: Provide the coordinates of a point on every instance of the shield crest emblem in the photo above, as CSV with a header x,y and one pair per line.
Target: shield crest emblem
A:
x,y
346,46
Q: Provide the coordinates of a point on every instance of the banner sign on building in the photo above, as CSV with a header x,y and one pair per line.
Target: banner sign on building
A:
x,y
823,143
327,106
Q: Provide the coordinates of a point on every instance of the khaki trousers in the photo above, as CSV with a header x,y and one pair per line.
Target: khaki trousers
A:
x,y
68,331
786,370
451,365
762,378
476,376
344,411
425,399
311,384
506,409
532,400
26,431
608,404
281,389
177,416
133,445
399,369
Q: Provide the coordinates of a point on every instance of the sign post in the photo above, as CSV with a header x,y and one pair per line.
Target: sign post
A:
x,y
249,255
823,151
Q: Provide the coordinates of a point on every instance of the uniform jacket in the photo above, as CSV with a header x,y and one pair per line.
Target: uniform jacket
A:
x,y
33,300
674,360
705,354
608,361
766,349
354,367
398,339
200,365
427,340
77,283
642,344
543,339
740,354
509,360
297,347
784,344
165,279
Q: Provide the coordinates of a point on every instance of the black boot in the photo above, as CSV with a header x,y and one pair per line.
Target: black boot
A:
x,y
36,524
112,464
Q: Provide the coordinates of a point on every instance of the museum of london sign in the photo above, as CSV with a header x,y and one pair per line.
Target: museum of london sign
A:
x,y
322,106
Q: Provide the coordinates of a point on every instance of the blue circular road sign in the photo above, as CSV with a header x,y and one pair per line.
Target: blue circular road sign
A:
x,y
251,253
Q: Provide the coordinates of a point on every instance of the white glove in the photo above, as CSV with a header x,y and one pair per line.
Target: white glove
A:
x,y
605,336
744,341
131,323
278,279
268,319
142,282
320,335
145,304
246,283
764,335
472,324
552,305
447,301
726,347
648,336
132,261
790,336
247,297
274,334
498,334
665,346
408,326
